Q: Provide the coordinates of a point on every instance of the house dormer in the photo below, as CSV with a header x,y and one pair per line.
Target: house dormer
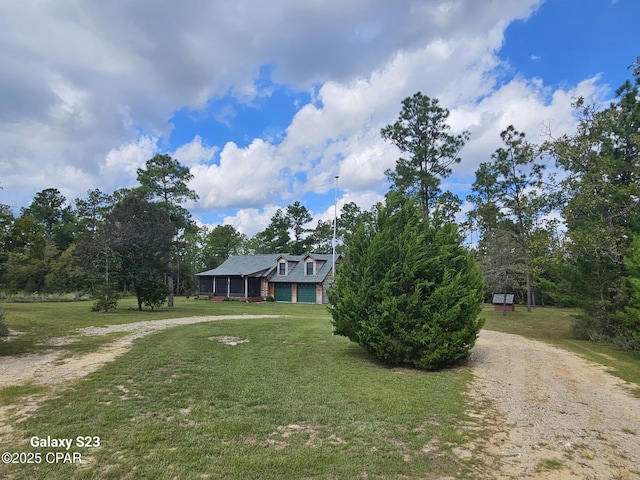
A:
x,y
282,268
310,266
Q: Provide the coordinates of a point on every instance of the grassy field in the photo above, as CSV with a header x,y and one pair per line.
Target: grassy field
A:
x,y
291,403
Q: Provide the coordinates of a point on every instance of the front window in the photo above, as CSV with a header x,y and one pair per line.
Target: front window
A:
x,y
282,268
310,268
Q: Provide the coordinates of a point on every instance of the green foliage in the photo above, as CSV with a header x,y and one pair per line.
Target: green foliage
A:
x,y
92,210
140,233
509,202
151,293
220,243
298,216
276,237
164,179
37,297
408,291
422,132
602,213
629,317
106,299
4,330
47,208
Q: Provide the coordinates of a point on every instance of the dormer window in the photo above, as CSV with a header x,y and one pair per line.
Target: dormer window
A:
x,y
310,268
282,268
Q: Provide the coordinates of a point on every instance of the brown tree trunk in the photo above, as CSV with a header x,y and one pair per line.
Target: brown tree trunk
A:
x,y
170,281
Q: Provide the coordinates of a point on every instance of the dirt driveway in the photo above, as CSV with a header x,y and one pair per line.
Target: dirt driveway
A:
x,y
552,414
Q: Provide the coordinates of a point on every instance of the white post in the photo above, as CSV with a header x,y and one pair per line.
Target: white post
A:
x,y
333,242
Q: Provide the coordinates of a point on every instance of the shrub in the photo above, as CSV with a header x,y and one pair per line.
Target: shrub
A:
x,y
151,293
4,330
106,299
408,291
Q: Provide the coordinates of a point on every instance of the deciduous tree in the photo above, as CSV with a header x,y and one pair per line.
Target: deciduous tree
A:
x,y
219,244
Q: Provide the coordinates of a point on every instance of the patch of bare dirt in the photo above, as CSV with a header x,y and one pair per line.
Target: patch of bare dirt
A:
x,y
229,340
552,414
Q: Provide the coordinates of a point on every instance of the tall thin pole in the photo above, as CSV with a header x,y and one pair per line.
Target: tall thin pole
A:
x,y
333,242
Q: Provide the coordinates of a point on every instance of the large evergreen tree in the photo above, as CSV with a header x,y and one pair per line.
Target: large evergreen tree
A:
x,y
512,182
276,238
164,179
407,290
422,133
140,233
601,206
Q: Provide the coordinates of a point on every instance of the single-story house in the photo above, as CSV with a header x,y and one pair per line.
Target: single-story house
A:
x,y
286,278
503,301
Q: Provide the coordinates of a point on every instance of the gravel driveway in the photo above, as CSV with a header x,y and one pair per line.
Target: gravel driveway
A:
x,y
553,414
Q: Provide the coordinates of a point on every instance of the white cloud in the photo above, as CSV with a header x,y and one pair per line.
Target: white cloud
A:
x,y
121,164
89,90
195,152
245,177
251,220
364,200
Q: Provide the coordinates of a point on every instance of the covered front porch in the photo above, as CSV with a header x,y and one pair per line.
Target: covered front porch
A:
x,y
232,286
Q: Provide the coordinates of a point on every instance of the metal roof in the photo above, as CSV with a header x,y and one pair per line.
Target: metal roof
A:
x,y
499,298
243,265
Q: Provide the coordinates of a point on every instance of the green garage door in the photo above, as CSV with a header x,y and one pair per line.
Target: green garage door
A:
x,y
306,293
283,292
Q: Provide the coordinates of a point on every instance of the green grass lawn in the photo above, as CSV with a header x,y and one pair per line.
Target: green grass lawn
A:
x,y
292,403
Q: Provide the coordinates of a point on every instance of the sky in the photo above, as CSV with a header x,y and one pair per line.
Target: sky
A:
x,y
267,102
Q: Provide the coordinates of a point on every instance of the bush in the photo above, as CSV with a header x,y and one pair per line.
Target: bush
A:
x,y
151,293
106,299
4,330
408,291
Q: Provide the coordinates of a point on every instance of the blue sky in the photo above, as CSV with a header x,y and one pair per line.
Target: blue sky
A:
x,y
266,102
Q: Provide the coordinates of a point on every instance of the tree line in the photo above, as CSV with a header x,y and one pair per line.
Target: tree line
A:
x,y
141,239
594,194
